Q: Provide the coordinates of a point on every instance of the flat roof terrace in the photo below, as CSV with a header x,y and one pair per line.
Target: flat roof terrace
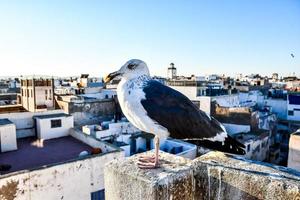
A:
x,y
34,153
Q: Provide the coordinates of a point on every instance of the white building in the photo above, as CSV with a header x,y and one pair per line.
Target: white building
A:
x,y
125,136
24,121
53,125
294,151
293,107
257,144
8,137
278,106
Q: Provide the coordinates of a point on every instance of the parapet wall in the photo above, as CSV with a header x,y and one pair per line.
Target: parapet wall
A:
x,y
89,110
212,176
232,115
74,180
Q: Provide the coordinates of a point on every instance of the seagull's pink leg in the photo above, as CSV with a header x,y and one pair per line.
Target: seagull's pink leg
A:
x,y
150,162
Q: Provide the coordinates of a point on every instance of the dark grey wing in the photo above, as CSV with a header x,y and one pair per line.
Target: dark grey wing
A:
x,y
177,113
184,120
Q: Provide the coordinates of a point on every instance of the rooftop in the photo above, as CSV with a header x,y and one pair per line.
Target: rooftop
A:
x,y
5,122
95,84
33,153
52,116
252,135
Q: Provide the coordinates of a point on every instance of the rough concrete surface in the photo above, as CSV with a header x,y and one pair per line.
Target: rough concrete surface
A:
x,y
211,176
173,180
219,176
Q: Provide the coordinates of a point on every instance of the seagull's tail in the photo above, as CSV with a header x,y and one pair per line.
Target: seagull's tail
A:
x,y
230,145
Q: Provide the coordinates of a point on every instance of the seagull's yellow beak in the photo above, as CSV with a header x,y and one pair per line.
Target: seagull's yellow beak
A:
x,y
110,76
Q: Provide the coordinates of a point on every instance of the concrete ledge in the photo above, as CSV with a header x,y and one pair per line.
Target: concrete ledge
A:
x,y
173,180
211,176
220,176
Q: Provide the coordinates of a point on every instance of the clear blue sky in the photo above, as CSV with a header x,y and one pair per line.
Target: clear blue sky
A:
x,y
201,37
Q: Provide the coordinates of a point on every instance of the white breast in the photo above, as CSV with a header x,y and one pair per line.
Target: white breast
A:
x,y
130,93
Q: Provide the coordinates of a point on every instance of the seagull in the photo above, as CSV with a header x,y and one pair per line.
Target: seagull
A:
x,y
158,109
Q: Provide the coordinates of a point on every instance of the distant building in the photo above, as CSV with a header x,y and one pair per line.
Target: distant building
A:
x,y
89,108
37,94
293,107
275,76
202,93
124,135
172,71
294,151
256,143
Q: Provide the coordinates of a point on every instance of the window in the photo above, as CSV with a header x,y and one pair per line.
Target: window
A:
x,y
46,94
248,147
98,195
291,112
30,93
29,82
56,123
50,95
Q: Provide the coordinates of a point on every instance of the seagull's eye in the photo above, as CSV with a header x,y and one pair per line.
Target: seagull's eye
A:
x,y
131,66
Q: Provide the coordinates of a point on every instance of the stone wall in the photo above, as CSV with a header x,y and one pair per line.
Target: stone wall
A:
x,y
89,111
211,176
233,115
294,151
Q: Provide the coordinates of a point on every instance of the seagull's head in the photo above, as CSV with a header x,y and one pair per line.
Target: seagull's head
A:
x,y
131,69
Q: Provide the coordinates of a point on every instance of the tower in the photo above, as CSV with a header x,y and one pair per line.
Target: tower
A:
x,y
172,72
37,94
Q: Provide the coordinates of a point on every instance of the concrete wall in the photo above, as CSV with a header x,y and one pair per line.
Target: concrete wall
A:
x,y
232,115
92,90
251,97
89,111
24,121
117,128
235,128
227,100
205,104
42,98
211,176
259,149
91,141
37,96
189,91
294,152
8,140
295,108
44,130
279,107
72,180
188,151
